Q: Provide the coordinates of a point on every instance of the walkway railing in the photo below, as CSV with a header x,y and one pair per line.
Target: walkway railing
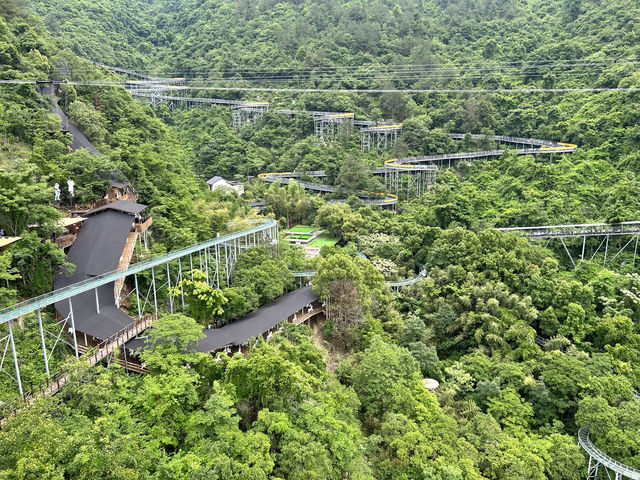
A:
x,y
597,458
395,285
42,301
53,384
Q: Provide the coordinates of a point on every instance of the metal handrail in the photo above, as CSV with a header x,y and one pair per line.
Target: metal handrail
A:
x,y
576,230
585,442
395,284
54,383
171,98
69,291
285,178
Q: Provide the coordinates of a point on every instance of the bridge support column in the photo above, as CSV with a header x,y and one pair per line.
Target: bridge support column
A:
x,y
15,357
155,297
206,263
169,288
95,290
592,471
44,345
179,282
73,327
217,266
635,250
135,279
568,253
606,250
584,244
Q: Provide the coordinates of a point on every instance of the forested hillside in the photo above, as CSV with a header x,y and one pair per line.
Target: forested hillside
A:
x,y
526,347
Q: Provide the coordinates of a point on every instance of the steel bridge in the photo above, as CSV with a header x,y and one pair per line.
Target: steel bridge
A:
x,y
395,285
285,177
379,136
598,458
584,230
421,172
216,257
331,126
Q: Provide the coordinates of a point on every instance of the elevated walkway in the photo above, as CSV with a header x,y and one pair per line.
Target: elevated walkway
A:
x,y
598,458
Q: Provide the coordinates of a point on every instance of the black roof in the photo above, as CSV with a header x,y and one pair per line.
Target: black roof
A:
x,y
251,325
115,184
124,206
97,250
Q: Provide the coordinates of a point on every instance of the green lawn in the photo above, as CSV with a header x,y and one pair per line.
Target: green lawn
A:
x,y
301,229
324,240
300,236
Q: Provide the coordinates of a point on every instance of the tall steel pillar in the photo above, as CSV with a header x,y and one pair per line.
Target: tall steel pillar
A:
x,y
206,263
155,297
44,345
95,291
15,358
169,289
135,278
217,265
180,282
73,327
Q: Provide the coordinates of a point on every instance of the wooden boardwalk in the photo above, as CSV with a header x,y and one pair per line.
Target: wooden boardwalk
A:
x,y
51,386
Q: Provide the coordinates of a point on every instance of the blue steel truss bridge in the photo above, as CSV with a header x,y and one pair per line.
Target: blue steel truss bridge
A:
x,y
603,231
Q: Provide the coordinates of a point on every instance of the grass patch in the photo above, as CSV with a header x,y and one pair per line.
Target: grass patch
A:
x,y
300,236
326,239
301,229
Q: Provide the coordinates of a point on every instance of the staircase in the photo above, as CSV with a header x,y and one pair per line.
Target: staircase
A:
x,y
52,385
125,260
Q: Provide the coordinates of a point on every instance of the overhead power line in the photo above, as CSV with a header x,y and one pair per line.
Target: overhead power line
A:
x,y
362,90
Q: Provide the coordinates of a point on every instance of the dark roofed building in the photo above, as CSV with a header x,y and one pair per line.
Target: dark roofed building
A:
x,y
97,250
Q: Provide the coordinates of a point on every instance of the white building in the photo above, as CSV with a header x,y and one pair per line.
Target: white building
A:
x,y
218,182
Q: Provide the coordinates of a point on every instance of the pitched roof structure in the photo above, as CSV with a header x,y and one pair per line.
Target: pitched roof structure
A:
x,y
123,206
214,180
97,250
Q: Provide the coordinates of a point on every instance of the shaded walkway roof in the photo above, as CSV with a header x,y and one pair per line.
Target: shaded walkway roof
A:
x,y
251,325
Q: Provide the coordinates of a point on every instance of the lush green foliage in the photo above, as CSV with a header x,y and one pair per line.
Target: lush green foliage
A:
x,y
507,408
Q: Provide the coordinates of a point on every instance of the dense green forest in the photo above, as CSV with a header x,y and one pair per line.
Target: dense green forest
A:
x,y
347,401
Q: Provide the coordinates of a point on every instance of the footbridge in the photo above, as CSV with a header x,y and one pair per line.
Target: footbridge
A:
x,y
395,285
597,458
420,172
381,198
215,257
604,231
328,126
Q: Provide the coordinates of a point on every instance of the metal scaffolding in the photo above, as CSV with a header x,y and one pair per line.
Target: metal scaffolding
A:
x,y
419,178
329,127
381,137
247,112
